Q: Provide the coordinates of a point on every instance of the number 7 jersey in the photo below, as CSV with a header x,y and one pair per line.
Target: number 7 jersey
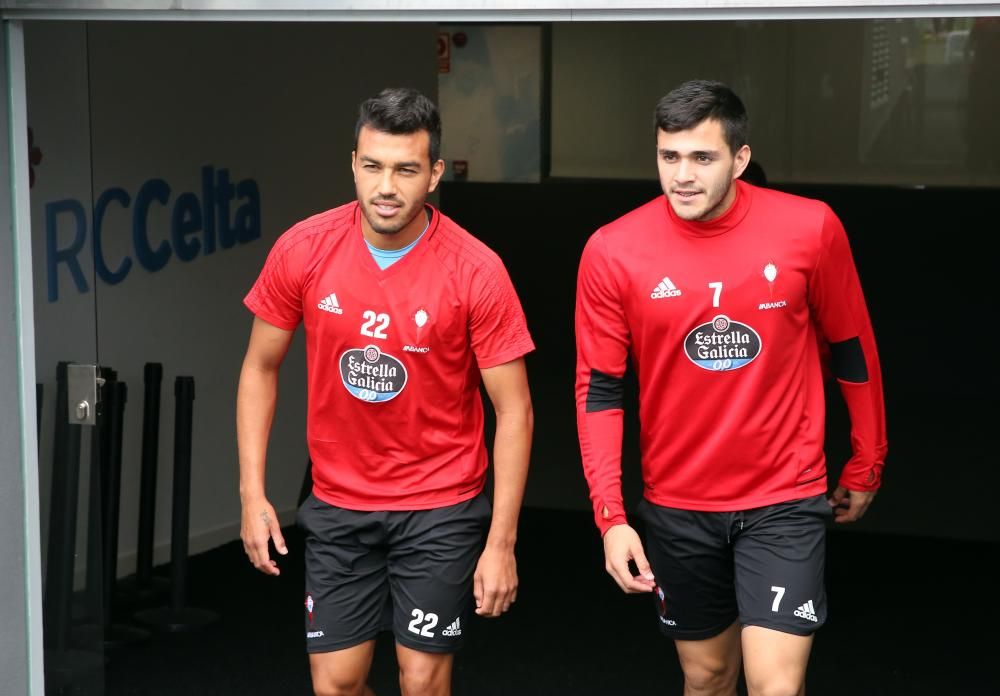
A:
x,y
395,418
722,321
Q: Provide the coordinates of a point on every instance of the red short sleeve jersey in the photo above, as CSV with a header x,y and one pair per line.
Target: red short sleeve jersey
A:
x,y
395,418
721,320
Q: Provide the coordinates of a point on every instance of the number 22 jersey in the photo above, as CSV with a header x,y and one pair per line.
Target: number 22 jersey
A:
x,y
395,418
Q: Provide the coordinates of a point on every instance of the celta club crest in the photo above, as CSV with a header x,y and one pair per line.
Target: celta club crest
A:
x,y
661,601
420,318
770,272
309,607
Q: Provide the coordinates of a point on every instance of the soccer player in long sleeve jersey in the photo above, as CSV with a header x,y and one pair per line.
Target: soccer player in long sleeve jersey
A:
x,y
716,291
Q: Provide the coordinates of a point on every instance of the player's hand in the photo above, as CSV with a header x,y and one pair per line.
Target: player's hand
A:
x,y
495,582
849,506
260,524
621,545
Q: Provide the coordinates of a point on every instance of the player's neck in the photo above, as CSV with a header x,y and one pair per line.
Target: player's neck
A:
x,y
406,236
724,206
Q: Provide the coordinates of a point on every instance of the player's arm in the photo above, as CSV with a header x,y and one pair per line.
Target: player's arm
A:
x,y
495,583
602,345
255,404
837,301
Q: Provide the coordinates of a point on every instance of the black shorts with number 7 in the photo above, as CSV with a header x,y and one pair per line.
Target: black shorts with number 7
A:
x,y
763,567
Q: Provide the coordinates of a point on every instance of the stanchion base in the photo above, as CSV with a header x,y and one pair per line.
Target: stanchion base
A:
x,y
114,636
120,635
175,620
129,592
73,667
87,636
86,607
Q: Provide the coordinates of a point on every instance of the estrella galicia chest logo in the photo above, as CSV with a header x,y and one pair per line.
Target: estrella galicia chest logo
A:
x,y
722,344
371,375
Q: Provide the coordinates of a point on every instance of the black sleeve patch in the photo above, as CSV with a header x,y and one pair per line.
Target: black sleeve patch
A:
x,y
849,361
605,392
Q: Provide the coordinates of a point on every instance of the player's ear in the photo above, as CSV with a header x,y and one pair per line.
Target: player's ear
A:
x,y
437,171
742,160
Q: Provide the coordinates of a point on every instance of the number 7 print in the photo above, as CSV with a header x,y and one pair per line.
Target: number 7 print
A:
x,y
717,286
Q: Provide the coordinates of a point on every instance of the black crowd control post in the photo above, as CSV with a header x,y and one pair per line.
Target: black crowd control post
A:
x,y
114,634
144,588
178,616
180,521
100,451
62,521
152,377
88,609
64,665
117,397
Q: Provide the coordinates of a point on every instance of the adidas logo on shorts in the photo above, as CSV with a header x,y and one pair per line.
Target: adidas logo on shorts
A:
x,y
454,630
806,611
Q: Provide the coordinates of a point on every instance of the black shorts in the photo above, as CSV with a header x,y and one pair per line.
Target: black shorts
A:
x,y
764,567
405,571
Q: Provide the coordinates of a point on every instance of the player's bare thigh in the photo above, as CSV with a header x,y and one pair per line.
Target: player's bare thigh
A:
x,y
775,662
342,672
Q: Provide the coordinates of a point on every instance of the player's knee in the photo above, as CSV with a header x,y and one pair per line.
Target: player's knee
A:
x,y
710,676
774,685
329,684
423,679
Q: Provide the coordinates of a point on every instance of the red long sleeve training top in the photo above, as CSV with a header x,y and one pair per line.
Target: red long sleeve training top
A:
x,y
720,320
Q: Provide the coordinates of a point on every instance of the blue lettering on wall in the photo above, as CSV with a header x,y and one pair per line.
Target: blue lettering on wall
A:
x,y
67,255
110,277
197,227
151,259
185,222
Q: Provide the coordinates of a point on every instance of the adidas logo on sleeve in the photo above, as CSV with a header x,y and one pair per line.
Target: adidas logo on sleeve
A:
x,y
330,304
455,629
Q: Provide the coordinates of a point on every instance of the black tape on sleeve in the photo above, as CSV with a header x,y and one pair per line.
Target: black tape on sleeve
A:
x,y
848,361
605,392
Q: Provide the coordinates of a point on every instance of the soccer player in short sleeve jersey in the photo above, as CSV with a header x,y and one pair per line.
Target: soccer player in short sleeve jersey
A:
x,y
405,314
718,293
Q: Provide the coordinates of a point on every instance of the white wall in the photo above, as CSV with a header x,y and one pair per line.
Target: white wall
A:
x,y
272,103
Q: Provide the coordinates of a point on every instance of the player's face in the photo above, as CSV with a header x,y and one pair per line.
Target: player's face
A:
x,y
393,175
697,170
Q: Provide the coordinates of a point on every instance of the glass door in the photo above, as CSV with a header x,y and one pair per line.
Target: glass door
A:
x,y
73,418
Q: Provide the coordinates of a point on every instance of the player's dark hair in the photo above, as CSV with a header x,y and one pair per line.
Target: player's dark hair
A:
x,y
401,111
698,100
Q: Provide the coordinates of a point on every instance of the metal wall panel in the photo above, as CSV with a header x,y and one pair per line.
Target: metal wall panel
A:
x,y
20,566
495,10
